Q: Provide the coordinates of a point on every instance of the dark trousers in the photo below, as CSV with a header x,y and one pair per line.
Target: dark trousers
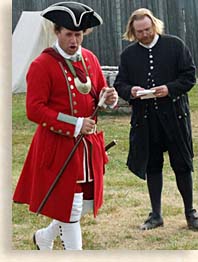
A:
x,y
159,143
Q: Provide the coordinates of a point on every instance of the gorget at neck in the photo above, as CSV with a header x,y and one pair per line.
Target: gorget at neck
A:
x,y
84,86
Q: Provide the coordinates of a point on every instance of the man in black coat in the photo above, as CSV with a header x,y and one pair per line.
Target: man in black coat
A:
x,y
156,71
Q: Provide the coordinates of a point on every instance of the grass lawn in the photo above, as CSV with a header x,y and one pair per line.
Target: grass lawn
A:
x,y
126,202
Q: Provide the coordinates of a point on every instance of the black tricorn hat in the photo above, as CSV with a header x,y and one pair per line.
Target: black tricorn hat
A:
x,y
72,15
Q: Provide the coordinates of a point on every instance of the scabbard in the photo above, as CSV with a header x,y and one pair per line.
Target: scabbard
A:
x,y
111,144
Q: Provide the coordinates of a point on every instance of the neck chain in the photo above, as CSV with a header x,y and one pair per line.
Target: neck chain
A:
x,y
83,88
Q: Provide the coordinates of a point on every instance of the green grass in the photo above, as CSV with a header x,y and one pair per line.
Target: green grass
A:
x,y
126,201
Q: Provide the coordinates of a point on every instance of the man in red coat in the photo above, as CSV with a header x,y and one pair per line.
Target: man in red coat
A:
x,y
64,85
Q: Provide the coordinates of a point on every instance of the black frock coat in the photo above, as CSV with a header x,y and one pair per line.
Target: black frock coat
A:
x,y
169,63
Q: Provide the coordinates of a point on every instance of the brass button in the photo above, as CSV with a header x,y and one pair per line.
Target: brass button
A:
x,y
52,128
71,86
73,94
75,111
44,124
75,103
67,133
59,131
69,78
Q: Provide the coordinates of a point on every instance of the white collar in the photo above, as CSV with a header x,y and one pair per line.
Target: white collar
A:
x,y
152,44
74,57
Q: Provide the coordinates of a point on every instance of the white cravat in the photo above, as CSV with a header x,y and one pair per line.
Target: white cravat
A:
x,y
75,57
152,44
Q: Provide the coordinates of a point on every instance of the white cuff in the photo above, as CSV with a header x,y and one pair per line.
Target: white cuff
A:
x,y
79,124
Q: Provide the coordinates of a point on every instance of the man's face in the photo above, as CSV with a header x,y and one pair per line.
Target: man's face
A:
x,y
69,40
144,31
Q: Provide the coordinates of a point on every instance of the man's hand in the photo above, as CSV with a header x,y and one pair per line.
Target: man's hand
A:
x,y
87,126
111,95
134,90
160,91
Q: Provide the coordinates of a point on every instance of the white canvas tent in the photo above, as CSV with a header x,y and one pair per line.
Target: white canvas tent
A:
x,y
32,34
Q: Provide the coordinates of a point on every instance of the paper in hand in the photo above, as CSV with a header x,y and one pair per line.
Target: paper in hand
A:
x,y
146,94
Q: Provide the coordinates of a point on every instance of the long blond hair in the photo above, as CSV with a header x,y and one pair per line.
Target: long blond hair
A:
x,y
138,15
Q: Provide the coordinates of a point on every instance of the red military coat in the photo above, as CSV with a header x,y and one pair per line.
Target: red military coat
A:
x,y
48,94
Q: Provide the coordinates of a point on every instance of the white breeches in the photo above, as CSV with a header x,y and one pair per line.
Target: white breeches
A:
x,y
80,207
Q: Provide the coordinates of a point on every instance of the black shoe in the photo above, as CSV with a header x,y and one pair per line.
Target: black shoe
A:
x,y
34,241
152,222
192,219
